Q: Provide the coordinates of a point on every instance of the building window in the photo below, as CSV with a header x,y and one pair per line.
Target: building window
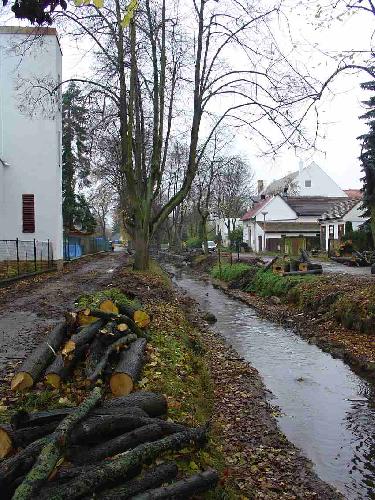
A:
x,y
331,232
28,213
308,183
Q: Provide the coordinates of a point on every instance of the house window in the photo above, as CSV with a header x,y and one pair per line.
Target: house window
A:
x,y
308,183
28,213
331,232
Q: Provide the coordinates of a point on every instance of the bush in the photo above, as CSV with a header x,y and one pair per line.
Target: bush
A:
x,y
194,242
229,272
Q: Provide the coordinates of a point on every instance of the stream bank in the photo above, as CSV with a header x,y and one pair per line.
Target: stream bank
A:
x,y
202,379
326,410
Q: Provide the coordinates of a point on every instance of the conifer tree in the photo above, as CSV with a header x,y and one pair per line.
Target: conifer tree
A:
x,y
367,157
75,161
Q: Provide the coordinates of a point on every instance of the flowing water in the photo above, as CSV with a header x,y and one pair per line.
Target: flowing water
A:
x,y
326,410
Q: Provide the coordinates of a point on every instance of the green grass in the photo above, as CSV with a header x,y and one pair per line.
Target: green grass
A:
x,y
228,272
267,284
115,294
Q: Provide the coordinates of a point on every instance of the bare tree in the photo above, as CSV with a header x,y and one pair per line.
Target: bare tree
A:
x,y
101,200
172,69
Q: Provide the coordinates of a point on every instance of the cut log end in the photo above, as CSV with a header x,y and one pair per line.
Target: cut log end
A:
x,y
109,307
69,347
53,379
6,445
121,384
21,381
141,318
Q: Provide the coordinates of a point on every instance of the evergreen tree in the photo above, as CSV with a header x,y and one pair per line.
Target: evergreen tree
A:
x,y
367,157
75,161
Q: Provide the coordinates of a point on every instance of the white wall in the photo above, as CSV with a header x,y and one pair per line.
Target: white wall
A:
x,y
277,210
221,226
31,146
355,216
321,183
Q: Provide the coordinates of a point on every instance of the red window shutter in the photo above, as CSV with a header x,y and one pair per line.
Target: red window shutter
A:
x,y
28,213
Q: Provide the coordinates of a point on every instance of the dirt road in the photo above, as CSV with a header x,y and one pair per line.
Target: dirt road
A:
x,y
28,308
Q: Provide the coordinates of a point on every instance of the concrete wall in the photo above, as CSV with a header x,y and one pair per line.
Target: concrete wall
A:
x,y
30,145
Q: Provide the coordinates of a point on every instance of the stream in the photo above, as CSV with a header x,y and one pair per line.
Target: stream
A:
x,y
326,410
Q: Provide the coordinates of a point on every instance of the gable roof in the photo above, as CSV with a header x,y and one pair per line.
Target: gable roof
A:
x,y
278,185
340,209
257,206
354,193
312,205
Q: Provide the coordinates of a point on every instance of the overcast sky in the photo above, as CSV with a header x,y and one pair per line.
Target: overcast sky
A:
x,y
339,109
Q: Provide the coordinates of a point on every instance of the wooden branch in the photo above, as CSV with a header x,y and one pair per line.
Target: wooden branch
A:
x,y
54,449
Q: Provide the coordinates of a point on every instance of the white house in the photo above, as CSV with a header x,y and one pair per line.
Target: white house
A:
x,y
307,181
30,137
332,222
285,224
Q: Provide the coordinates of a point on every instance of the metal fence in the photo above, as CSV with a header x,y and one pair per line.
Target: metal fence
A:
x,y
77,246
21,257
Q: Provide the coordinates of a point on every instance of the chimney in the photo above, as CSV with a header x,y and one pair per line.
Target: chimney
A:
x,y
260,185
300,165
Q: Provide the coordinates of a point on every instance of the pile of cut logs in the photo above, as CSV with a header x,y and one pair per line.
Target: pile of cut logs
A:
x,y
111,341
294,267
99,450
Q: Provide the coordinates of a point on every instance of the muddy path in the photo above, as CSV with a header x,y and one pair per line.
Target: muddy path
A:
x,y
30,307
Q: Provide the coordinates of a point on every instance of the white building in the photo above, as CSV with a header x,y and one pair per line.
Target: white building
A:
x,y
222,225
286,224
30,137
332,222
307,181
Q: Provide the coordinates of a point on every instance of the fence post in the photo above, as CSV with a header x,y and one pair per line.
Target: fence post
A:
x,y
34,255
18,258
48,253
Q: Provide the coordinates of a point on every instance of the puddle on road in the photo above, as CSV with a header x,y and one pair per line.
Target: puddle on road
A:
x,y
326,410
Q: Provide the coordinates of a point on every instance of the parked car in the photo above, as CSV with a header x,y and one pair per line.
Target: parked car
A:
x,y
211,246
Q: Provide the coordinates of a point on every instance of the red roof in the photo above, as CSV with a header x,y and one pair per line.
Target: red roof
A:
x,y
353,193
251,213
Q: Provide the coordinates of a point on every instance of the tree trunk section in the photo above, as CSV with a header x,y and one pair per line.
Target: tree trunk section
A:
x,y
98,427
32,368
11,439
141,248
85,336
54,449
117,445
108,472
154,404
26,420
115,347
186,488
151,479
63,366
128,369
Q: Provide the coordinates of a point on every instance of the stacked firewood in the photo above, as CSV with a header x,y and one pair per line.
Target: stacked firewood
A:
x,y
110,340
99,450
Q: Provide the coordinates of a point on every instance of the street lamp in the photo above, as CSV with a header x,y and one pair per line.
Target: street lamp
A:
x,y
264,230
